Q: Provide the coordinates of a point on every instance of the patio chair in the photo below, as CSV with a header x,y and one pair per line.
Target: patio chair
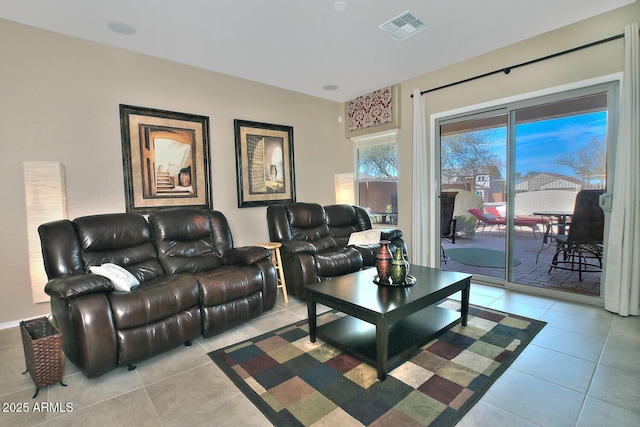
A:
x,y
447,221
581,247
485,219
521,221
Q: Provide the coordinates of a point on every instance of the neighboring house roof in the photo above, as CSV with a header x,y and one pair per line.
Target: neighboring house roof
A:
x,y
548,181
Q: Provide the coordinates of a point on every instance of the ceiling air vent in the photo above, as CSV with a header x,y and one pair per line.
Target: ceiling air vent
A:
x,y
403,26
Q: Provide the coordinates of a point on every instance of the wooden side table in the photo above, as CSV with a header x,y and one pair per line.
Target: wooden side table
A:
x,y
274,247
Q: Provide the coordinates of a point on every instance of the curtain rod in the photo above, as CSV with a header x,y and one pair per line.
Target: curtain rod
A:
x,y
507,70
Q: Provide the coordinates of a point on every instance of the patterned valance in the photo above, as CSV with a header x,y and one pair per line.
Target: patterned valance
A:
x,y
373,112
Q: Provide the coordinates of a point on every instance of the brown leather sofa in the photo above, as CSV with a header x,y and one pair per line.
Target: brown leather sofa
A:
x,y
309,253
192,282
315,242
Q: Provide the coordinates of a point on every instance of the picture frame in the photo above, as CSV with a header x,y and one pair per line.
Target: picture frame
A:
x,y
165,159
264,164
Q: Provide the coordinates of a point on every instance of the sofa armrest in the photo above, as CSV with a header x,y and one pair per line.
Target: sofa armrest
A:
x,y
88,332
75,285
299,246
390,233
245,255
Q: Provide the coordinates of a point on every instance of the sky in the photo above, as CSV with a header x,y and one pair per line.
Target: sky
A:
x,y
539,144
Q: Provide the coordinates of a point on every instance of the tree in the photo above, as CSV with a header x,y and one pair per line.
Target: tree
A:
x,y
379,161
588,161
467,154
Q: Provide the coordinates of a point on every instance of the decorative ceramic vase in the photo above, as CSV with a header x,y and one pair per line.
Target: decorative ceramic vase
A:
x,y
398,271
273,171
383,261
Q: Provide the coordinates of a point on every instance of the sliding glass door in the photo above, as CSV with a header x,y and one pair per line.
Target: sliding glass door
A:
x,y
515,171
473,153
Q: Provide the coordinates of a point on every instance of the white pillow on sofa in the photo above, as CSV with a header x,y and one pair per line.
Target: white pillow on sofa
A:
x,y
366,237
122,280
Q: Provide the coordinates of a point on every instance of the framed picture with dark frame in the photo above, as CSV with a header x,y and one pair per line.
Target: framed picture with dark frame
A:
x,y
165,157
264,164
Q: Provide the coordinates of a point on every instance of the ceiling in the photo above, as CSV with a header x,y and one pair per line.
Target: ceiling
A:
x,y
305,45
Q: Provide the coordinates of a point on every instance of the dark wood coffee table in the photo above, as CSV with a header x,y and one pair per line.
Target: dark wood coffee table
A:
x,y
387,325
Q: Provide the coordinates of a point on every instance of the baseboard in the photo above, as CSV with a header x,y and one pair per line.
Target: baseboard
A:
x,y
16,323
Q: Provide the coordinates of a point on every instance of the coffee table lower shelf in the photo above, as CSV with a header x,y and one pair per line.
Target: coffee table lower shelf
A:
x,y
406,336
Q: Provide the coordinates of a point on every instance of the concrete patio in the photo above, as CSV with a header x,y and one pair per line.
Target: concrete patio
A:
x,y
526,247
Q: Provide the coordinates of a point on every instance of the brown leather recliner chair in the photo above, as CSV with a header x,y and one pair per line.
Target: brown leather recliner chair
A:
x,y
309,253
345,219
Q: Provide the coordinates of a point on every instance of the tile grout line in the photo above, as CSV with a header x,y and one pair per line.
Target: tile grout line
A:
x,y
586,393
146,392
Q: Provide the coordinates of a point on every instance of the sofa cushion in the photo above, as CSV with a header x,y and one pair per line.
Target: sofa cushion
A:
x,y
185,240
154,300
188,257
342,216
308,222
141,342
219,318
123,239
338,261
343,220
228,283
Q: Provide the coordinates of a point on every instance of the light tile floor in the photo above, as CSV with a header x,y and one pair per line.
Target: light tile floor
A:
x,y
583,369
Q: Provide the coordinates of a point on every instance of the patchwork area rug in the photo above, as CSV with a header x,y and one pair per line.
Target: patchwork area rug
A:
x,y
479,257
298,383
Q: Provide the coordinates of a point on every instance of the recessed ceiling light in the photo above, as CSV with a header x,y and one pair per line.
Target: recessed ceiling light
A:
x,y
121,28
330,87
339,6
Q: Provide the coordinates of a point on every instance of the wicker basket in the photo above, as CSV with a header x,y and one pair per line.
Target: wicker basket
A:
x,y
42,351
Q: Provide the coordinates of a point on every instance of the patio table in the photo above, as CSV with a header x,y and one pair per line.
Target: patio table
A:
x,y
556,218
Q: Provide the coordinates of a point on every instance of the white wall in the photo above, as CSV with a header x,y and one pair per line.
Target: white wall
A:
x,y
60,98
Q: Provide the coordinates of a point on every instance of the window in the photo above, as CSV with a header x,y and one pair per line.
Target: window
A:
x,y
377,177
